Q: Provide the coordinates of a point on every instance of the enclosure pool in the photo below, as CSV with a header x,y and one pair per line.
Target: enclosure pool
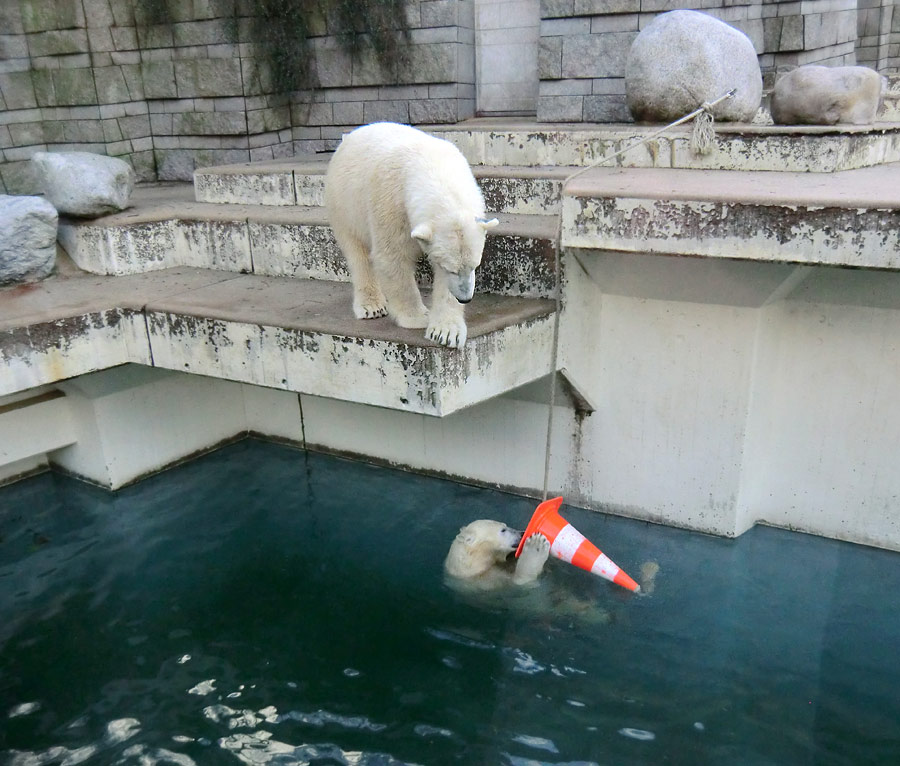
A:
x,y
267,605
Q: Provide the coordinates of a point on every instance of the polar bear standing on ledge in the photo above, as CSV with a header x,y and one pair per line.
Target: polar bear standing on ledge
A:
x,y
393,193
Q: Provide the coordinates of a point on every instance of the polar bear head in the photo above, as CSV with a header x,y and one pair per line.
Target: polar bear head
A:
x,y
479,547
454,245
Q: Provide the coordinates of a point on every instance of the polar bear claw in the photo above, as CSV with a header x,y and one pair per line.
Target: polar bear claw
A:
x,y
450,333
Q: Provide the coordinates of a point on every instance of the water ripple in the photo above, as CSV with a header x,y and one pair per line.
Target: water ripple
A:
x,y
639,734
259,748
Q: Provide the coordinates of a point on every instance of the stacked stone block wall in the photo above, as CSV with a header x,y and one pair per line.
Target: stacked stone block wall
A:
x,y
584,44
878,34
100,76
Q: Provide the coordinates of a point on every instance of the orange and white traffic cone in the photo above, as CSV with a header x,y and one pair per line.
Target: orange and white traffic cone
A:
x,y
568,544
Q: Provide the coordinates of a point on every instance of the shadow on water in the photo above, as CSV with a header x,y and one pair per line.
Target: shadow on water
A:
x,y
265,605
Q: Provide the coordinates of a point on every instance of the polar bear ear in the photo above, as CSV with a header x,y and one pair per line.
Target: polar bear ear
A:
x,y
466,536
423,233
486,224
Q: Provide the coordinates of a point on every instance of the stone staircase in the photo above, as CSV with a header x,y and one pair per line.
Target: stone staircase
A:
x,y
244,259
805,195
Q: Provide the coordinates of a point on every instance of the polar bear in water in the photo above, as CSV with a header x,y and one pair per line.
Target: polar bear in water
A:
x,y
394,193
479,556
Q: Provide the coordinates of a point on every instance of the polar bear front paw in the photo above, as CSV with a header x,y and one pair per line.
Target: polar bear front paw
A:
x,y
532,559
367,311
450,332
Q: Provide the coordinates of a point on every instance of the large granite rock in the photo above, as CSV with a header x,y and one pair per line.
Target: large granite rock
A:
x,y
84,184
683,58
821,95
27,238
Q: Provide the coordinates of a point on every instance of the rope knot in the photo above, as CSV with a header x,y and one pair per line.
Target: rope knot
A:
x,y
703,137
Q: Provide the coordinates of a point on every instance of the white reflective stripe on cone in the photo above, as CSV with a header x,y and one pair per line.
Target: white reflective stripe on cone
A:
x,y
566,543
604,567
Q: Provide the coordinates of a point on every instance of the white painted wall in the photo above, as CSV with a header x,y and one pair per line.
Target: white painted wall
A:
x,y
133,420
726,393
507,33
31,425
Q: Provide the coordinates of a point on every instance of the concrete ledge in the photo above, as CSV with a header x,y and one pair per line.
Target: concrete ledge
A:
x,y
845,219
301,181
165,228
282,333
807,149
294,181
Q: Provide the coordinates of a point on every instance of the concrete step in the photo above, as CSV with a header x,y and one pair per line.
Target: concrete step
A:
x,y
806,149
295,335
301,181
165,227
850,218
521,166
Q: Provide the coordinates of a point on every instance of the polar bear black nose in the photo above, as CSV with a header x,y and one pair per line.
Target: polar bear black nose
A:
x,y
467,300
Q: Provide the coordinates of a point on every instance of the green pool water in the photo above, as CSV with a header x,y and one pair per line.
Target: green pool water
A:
x,y
266,605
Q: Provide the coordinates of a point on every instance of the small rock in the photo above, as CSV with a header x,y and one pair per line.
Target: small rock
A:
x,y
84,184
27,238
821,95
683,58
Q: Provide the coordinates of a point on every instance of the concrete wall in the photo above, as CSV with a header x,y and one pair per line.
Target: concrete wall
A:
x,y
726,393
506,45
93,75
878,34
584,44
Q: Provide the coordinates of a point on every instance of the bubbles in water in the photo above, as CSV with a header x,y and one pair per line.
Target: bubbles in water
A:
x,y
452,663
26,708
159,755
456,638
183,658
351,672
540,743
204,688
424,730
698,725
58,754
525,663
122,729
323,717
515,760
259,748
575,703
639,734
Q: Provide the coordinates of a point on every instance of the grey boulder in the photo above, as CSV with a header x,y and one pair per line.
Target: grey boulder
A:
x,y
821,95
84,184
27,238
685,58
